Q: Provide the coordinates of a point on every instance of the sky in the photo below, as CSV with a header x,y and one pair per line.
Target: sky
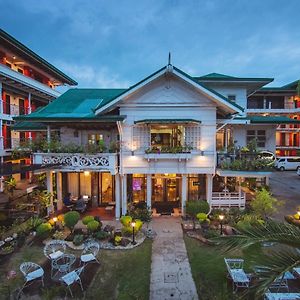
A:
x,y
116,43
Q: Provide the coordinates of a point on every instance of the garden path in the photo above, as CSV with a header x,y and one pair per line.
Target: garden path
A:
x,y
171,276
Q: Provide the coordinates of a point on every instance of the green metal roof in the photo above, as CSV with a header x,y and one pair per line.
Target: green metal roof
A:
x,y
292,85
224,77
25,50
269,120
184,74
75,104
166,121
28,126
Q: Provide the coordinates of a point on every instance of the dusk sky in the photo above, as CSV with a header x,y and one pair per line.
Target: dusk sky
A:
x,y
117,43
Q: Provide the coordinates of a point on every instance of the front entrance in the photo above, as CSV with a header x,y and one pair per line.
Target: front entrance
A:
x,y
166,192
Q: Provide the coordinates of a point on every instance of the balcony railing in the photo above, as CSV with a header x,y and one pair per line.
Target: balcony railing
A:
x,y
78,161
224,199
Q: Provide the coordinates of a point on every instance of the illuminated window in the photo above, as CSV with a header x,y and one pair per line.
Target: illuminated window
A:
x,y
167,136
94,138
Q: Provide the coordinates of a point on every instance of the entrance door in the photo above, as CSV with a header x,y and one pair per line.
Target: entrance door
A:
x,y
166,192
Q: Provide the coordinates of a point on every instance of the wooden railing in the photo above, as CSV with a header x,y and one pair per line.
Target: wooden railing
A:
x,y
226,199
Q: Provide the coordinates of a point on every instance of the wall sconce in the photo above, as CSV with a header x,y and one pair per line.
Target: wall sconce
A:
x,y
86,173
132,152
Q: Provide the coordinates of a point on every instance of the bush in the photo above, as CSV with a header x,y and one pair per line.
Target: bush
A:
x,y
58,235
202,217
87,219
128,229
93,226
78,239
126,220
101,235
211,233
34,222
43,230
195,207
71,218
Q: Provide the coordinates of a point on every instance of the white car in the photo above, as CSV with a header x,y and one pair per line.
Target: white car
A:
x,y
298,171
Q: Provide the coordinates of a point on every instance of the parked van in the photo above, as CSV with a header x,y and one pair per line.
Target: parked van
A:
x,y
287,163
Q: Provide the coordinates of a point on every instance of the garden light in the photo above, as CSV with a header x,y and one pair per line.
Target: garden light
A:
x,y
133,226
221,217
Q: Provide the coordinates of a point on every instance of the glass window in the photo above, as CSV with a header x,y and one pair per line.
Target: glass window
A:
x,y
167,136
258,135
107,186
196,187
94,138
139,187
231,98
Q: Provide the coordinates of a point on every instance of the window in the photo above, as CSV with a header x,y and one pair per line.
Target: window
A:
x,y
231,98
258,135
94,139
167,136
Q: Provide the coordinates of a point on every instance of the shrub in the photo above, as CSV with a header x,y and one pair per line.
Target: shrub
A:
x,y
87,219
211,233
93,226
126,220
71,218
43,230
117,240
58,235
202,217
128,229
78,239
195,207
140,212
296,216
101,235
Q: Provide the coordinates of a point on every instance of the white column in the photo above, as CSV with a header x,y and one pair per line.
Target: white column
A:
x,y
48,136
267,180
59,190
209,179
1,102
183,193
117,196
29,112
1,179
124,194
149,191
50,190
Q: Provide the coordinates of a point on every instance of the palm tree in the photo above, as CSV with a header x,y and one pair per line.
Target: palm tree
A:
x,y
283,256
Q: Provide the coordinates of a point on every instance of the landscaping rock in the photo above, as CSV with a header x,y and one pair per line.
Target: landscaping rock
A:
x,y
125,242
108,228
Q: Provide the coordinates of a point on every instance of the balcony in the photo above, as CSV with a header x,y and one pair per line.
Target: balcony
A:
x,y
77,162
285,110
15,78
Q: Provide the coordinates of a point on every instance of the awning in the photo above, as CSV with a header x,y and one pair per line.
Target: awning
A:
x,y
247,174
167,121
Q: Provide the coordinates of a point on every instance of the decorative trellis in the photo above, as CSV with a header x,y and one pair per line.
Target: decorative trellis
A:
x,y
140,137
193,136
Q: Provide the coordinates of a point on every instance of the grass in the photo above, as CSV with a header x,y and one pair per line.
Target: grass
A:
x,y
123,274
209,271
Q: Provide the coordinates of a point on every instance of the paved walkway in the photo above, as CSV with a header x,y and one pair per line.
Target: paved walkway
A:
x,y
171,276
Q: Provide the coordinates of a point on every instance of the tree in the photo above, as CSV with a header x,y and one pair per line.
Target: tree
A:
x,y
272,263
264,205
44,198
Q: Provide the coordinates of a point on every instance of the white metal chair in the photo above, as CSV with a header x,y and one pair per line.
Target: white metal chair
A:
x,y
89,253
31,272
236,273
71,278
54,249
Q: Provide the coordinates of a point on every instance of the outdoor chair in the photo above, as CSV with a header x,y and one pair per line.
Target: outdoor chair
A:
x,y
54,249
236,273
89,253
31,272
72,278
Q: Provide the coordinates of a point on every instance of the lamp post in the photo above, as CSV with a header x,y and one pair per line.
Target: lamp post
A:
x,y
55,220
133,226
221,217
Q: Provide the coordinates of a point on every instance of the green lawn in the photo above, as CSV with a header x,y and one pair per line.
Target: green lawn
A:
x,y
123,274
209,271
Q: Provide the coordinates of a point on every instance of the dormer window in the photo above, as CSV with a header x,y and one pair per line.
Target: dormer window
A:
x,y
231,98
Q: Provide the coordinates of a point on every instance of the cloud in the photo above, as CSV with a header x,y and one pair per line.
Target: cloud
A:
x,y
89,76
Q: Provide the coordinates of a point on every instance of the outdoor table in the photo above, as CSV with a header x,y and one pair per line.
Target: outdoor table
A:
x,y
62,265
280,296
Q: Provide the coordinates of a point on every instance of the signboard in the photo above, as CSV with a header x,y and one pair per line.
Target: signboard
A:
x,y
137,184
196,183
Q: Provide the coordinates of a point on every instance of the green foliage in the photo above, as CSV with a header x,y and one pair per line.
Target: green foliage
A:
x,y
141,212
101,235
3,217
211,233
87,219
247,221
114,147
42,197
10,185
78,239
126,220
202,217
244,164
168,149
195,207
264,205
43,230
34,222
58,235
129,229
71,218
93,226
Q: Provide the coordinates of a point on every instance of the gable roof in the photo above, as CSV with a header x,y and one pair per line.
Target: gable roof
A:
x,y
73,104
172,69
224,77
32,56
